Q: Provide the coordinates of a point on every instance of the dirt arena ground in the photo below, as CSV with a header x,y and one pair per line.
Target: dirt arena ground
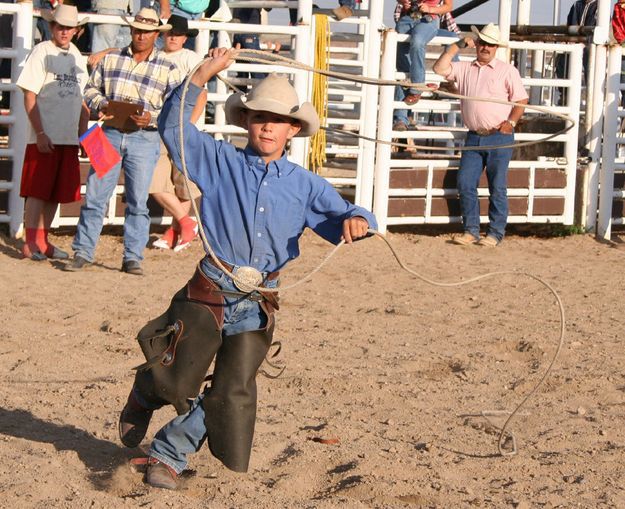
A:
x,y
391,370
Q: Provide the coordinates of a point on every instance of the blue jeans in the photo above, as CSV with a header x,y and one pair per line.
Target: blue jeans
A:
x,y
411,55
248,41
496,162
41,24
186,433
105,36
140,151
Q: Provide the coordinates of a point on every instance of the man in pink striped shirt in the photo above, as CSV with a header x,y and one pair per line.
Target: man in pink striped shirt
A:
x,y
489,124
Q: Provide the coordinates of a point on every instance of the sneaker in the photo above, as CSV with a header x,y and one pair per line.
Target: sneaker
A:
x,y
186,237
160,475
489,241
168,240
78,263
411,99
132,267
34,255
56,254
342,12
400,125
465,239
133,422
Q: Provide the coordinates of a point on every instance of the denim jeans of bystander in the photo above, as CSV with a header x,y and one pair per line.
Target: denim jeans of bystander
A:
x,y
411,56
139,151
496,162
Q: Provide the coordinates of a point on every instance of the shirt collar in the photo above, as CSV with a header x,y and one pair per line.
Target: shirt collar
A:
x,y
282,167
492,64
128,51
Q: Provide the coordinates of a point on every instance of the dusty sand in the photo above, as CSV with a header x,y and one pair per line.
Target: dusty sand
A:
x,y
386,364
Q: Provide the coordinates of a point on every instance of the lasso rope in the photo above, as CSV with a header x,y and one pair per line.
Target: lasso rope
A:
x,y
273,59
209,250
317,155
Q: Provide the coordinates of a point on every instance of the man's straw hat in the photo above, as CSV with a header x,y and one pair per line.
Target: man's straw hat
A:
x,y
490,34
276,95
65,15
147,19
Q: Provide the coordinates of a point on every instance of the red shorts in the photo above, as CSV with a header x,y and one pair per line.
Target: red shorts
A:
x,y
53,177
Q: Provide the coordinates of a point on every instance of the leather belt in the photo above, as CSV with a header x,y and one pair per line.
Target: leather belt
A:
x,y
270,276
485,132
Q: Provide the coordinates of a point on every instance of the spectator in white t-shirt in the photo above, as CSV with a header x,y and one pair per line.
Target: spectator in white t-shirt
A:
x,y
53,80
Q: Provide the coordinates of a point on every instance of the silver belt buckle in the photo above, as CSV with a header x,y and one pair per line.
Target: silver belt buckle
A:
x,y
247,278
483,132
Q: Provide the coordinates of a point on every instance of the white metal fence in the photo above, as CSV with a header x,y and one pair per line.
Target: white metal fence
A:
x,y
16,120
408,190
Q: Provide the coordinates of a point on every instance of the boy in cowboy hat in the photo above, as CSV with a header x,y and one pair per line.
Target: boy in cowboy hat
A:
x,y
489,124
255,206
53,79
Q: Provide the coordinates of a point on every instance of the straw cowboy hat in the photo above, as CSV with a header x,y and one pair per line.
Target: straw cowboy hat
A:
x,y
276,95
180,26
490,34
65,15
147,19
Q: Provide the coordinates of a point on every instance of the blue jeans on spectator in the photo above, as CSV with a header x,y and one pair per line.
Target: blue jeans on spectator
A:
x,y
496,162
248,41
107,35
411,56
186,433
140,151
40,23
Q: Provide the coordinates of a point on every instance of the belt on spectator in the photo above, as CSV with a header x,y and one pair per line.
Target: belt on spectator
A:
x,y
270,276
485,132
147,129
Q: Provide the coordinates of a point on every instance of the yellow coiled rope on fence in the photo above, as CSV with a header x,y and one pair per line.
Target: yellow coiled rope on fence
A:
x,y
320,90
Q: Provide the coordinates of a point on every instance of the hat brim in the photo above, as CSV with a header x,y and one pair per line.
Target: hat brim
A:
x,y
48,15
146,26
305,115
486,38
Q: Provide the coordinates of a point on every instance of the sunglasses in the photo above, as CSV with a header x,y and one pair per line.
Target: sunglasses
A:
x,y
480,42
147,21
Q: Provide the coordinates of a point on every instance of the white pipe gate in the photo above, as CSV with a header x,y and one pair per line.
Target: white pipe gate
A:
x,y
422,190
545,189
22,44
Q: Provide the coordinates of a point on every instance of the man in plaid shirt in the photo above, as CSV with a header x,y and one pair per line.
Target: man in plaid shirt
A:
x,y
138,74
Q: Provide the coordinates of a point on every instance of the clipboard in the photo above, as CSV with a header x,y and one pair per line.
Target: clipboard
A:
x,y
121,111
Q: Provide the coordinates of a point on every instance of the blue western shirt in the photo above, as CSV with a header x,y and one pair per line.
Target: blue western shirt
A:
x,y
253,213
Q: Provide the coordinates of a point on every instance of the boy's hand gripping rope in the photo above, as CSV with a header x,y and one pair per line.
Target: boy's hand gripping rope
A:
x,y
209,250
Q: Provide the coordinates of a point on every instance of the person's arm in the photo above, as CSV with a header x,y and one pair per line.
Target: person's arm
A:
x,y
83,121
200,106
200,148
44,144
507,126
445,7
334,218
443,66
94,58
94,91
165,9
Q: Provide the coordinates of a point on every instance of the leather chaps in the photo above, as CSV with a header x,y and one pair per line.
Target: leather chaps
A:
x,y
180,346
